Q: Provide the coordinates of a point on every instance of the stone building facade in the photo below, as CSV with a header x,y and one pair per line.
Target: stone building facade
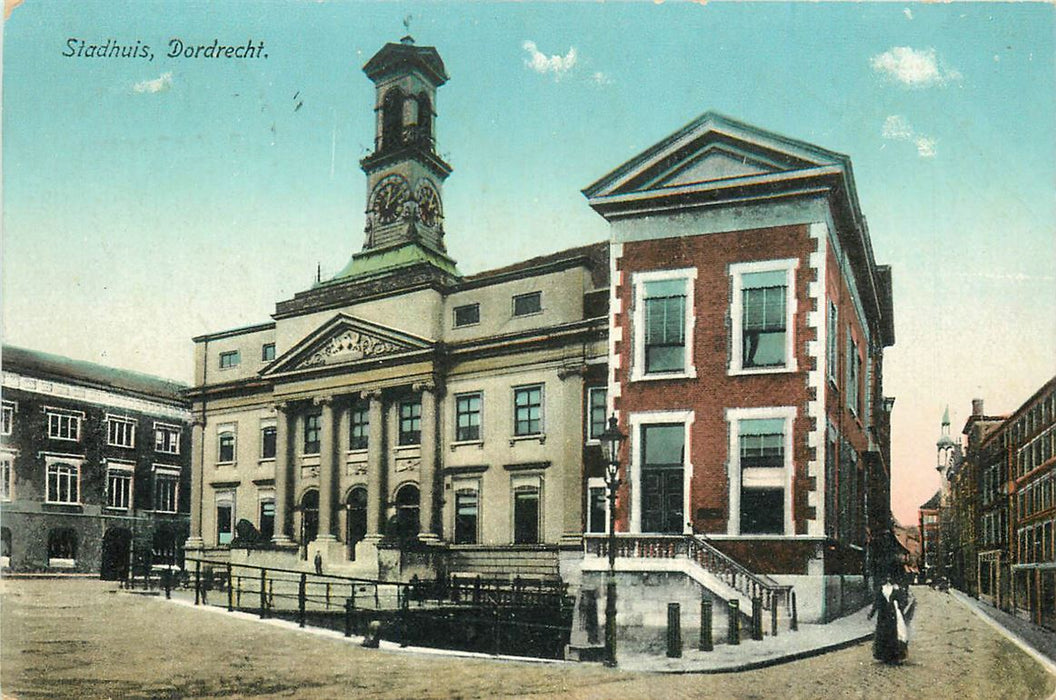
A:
x,y
94,467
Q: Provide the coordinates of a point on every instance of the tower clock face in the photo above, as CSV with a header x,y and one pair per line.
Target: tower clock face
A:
x,y
388,198
429,211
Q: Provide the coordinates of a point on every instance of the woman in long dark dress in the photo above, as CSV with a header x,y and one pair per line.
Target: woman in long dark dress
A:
x,y
888,606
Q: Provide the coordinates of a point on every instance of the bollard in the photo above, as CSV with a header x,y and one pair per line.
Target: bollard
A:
x,y
230,590
674,631
301,600
404,604
705,625
757,619
350,605
733,634
197,582
795,621
373,637
263,593
238,592
327,595
773,615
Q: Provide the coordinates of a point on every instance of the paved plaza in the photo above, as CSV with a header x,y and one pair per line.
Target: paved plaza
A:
x,y
67,638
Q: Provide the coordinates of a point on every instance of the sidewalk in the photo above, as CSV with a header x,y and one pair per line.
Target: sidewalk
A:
x,y
1036,641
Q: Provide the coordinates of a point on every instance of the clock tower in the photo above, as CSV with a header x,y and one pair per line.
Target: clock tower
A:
x,y
405,214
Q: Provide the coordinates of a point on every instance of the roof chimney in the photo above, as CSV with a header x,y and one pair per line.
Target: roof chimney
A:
x,y
977,407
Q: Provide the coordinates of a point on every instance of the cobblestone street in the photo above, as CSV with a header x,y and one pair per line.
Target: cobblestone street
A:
x,y
83,639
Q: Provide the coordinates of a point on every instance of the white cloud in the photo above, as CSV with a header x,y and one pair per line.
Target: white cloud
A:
x,y
897,128
543,64
913,68
908,13
160,84
600,78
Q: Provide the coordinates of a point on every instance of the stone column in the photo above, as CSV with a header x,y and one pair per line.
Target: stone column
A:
x,y
282,476
197,479
375,466
427,471
327,447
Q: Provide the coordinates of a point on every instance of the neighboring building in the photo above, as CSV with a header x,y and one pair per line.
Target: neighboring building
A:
x,y
403,418
931,562
984,508
748,322
94,467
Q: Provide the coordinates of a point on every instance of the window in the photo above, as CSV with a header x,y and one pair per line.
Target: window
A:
x,y
313,426
596,412
267,518
120,431
166,490
466,516
663,324
267,352
225,439
268,435
225,517
119,485
64,425
832,351
597,506
167,438
359,425
410,422
761,470
467,315
64,483
229,359
528,410
467,416
527,304
526,515
854,369
7,477
761,315
62,547
7,418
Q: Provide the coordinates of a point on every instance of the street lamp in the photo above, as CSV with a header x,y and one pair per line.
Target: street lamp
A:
x,y
610,447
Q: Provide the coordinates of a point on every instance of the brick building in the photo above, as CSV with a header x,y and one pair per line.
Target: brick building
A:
x,y
94,467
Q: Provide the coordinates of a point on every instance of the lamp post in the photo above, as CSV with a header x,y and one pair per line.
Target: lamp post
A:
x,y
610,445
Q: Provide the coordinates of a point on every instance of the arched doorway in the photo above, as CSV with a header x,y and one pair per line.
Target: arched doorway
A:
x,y
356,527
117,546
407,512
309,516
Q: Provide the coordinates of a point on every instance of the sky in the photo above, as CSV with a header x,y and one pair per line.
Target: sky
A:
x,y
150,199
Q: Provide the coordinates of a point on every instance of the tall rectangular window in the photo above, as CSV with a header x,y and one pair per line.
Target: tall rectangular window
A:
x,y
466,516
410,422
832,351
526,515
63,425
854,370
120,431
267,352
663,477
313,426
230,359
467,416
596,412
225,438
267,519
268,436
467,315
665,326
528,410
7,476
761,316
64,483
761,473
7,418
166,491
119,485
527,304
167,438
597,506
225,517
359,425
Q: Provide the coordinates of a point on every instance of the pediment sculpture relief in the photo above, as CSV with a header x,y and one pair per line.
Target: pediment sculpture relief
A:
x,y
348,347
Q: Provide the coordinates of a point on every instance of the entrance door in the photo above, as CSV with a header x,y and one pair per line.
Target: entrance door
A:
x,y
309,516
117,546
662,478
357,519
407,524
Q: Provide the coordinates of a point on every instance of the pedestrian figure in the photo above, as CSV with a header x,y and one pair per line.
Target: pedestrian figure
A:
x,y
318,562
891,641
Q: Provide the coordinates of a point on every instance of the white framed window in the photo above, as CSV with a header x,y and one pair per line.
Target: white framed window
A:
x,y
597,412
762,316
660,471
528,410
7,417
597,506
267,352
226,443
469,408
166,489
167,438
63,424
761,469
528,304
7,476
120,431
832,350
527,508
225,517
467,511
663,321
268,438
119,478
63,484
230,358
854,372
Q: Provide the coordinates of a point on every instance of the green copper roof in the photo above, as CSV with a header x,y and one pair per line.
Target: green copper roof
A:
x,y
372,262
946,416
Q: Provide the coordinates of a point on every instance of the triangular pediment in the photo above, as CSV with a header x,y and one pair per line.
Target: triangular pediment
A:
x,y
344,340
713,151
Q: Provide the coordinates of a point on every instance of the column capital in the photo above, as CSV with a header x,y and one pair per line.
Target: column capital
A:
x,y
198,422
424,386
324,400
281,406
371,394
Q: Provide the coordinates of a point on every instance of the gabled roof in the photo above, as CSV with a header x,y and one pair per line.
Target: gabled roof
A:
x,y
346,340
44,365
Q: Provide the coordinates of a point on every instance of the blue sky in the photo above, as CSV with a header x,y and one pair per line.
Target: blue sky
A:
x,y
146,202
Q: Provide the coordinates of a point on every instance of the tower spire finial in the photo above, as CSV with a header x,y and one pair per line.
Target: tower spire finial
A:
x,y
407,39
